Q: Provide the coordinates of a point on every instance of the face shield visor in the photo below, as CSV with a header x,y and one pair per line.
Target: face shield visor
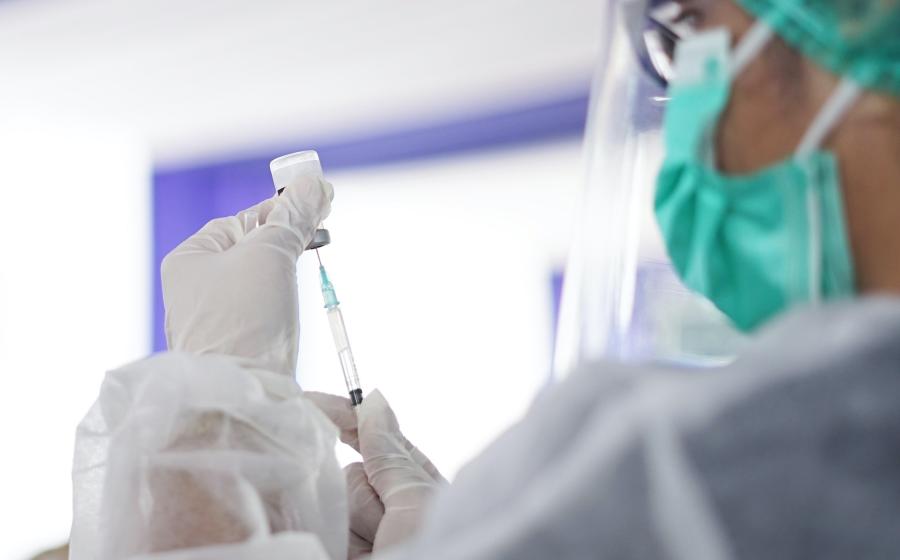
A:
x,y
621,298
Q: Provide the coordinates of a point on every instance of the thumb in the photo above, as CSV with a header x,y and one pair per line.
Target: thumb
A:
x,y
375,416
294,216
366,509
392,470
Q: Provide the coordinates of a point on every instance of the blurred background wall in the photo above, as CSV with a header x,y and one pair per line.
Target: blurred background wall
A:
x,y
452,134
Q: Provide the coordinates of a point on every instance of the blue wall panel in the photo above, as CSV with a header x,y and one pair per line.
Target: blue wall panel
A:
x,y
185,198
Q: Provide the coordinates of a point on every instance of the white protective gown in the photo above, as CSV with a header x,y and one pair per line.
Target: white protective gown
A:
x,y
790,452
192,456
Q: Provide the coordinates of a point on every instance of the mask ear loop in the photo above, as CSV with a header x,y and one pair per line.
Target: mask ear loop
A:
x,y
837,105
749,47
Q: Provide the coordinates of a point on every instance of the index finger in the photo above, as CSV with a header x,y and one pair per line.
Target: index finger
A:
x,y
340,412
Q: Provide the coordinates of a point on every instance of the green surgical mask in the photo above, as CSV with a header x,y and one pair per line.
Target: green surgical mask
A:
x,y
757,244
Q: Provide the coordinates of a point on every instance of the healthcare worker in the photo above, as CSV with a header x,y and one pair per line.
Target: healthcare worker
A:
x,y
778,200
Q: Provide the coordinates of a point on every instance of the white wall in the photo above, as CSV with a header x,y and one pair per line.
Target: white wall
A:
x,y
74,302
443,270
213,78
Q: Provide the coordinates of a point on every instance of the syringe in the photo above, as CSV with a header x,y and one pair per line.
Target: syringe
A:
x,y
339,333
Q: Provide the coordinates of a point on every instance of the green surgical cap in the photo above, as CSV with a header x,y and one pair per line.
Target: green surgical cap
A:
x,y
859,39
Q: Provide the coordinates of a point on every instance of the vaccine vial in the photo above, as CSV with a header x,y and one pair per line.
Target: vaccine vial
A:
x,y
287,169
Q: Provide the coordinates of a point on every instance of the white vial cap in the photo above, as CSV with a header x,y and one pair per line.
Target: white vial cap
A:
x,y
286,169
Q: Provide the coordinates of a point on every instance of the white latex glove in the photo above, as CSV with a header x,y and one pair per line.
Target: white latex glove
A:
x,y
388,493
365,508
231,288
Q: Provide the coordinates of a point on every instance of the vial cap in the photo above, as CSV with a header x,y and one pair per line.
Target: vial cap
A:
x,y
286,169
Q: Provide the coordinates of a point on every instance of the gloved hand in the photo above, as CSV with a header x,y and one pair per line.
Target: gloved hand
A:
x,y
231,288
389,491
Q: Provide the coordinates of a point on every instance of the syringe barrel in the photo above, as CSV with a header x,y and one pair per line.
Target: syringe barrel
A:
x,y
342,345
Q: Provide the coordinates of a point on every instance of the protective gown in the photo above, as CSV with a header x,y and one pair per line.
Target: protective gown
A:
x,y
202,456
790,452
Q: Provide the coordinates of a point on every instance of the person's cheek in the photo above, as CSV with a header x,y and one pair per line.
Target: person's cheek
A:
x,y
749,111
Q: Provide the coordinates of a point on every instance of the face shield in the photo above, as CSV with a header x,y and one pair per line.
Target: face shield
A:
x,y
622,299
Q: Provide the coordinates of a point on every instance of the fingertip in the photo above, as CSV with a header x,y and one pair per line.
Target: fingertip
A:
x,y
355,472
328,400
375,399
375,414
263,209
338,410
300,188
329,189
